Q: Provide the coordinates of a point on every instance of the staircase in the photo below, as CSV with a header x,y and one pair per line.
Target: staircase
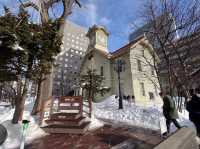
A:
x,y
68,117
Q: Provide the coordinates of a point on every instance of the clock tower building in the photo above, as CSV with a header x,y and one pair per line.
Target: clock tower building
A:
x,y
98,37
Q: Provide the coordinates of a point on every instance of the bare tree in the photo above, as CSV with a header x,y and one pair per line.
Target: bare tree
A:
x,y
173,32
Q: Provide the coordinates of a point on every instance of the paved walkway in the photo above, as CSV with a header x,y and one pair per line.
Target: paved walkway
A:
x,y
103,138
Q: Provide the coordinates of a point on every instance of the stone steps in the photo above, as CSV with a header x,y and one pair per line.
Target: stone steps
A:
x,y
67,129
63,115
66,122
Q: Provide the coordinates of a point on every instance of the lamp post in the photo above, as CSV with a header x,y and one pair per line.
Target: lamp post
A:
x,y
119,66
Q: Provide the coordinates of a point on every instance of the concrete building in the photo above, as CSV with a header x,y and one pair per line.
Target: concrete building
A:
x,y
67,68
138,79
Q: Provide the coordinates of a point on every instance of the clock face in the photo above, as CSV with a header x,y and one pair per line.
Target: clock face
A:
x,y
101,39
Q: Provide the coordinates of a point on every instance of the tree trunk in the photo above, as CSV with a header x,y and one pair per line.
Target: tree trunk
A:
x,y
1,90
18,108
37,105
19,103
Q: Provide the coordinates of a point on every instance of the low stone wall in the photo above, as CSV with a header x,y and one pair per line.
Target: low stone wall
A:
x,y
184,138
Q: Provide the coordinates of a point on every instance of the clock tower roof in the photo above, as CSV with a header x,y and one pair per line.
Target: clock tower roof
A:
x,y
94,28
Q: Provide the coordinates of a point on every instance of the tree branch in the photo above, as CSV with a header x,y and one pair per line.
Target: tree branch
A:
x,y
29,4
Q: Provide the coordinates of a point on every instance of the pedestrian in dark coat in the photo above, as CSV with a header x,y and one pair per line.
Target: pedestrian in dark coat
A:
x,y
193,107
169,111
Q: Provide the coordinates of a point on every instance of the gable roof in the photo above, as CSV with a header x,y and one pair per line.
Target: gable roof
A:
x,y
126,48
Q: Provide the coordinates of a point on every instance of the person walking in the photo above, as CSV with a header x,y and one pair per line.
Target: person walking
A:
x,y
193,107
169,111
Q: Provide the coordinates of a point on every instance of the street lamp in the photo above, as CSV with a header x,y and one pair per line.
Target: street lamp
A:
x,y
119,66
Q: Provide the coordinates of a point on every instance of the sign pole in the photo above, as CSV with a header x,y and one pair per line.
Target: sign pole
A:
x,y
25,124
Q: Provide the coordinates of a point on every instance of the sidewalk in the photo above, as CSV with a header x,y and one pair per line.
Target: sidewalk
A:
x,y
103,138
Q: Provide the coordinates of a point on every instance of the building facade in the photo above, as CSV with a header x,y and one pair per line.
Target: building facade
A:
x,y
138,79
67,65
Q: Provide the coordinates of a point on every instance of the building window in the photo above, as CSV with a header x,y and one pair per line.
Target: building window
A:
x,y
156,91
142,53
151,96
139,65
101,70
152,70
142,89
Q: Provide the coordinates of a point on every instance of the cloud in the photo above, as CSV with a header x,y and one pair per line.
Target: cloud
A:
x,y
86,15
104,21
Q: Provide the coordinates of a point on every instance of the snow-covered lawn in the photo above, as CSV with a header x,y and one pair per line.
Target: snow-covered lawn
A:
x,y
147,117
14,131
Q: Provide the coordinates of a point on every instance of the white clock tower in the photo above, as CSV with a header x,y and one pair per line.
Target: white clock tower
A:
x,y
98,37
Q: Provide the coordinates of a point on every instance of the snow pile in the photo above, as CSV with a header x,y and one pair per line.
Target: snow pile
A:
x,y
146,117
15,131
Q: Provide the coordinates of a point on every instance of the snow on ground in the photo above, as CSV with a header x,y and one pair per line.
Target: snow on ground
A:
x,y
95,123
146,117
14,131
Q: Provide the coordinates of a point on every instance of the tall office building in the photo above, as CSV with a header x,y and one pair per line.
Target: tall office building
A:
x,y
66,71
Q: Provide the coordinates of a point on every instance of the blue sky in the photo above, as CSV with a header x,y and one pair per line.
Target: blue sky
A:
x,y
116,15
